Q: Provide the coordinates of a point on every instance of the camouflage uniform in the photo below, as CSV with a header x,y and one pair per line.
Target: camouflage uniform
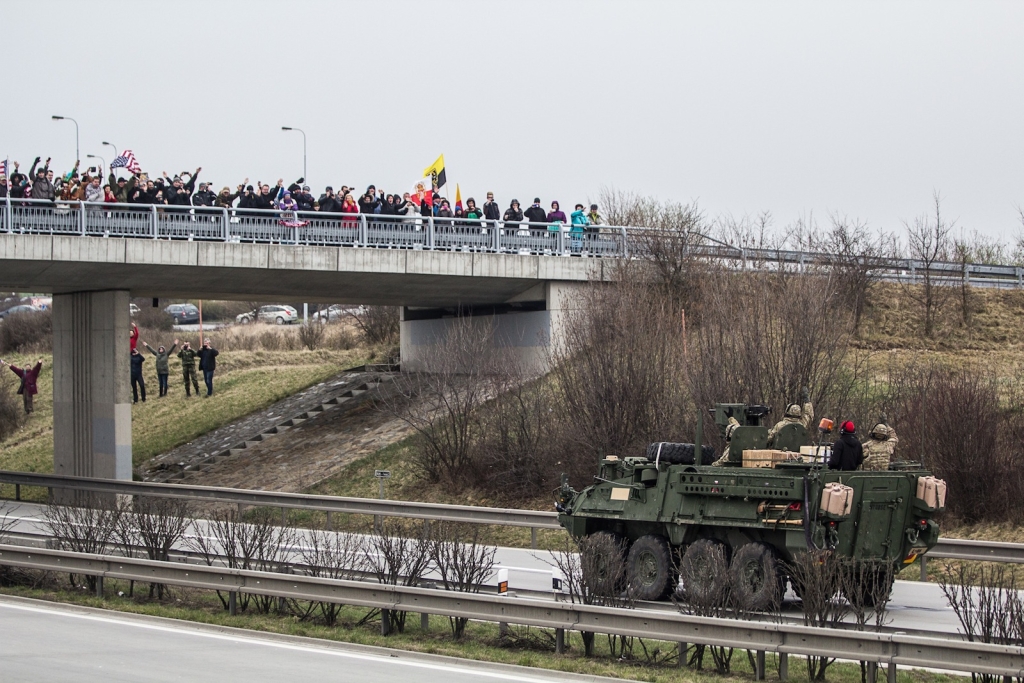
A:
x,y
729,429
879,448
794,415
188,369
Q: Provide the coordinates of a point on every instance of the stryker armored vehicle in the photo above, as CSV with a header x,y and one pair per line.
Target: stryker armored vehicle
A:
x,y
748,521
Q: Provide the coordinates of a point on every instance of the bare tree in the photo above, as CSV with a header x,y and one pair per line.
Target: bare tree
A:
x,y
83,529
855,255
312,334
396,557
441,405
705,590
461,561
156,525
593,569
378,324
817,578
929,243
867,586
335,556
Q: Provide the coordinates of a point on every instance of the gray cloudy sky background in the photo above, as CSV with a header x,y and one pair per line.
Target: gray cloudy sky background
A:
x,y
797,108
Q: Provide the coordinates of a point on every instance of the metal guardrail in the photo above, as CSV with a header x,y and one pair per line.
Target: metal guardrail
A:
x,y
947,548
143,221
297,501
893,649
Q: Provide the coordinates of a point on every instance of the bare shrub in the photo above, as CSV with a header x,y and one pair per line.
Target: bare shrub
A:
x,y
312,334
817,578
397,556
441,405
155,525
255,543
334,556
27,333
378,324
705,591
461,561
83,529
11,414
867,586
772,334
929,242
593,569
617,371
854,257
339,338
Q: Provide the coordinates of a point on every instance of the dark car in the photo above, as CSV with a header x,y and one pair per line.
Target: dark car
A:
x,y
24,308
183,314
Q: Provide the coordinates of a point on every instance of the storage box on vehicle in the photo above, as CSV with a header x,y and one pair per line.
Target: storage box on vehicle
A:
x,y
766,457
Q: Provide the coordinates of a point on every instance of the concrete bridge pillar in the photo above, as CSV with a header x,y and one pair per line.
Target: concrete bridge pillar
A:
x,y
527,325
92,410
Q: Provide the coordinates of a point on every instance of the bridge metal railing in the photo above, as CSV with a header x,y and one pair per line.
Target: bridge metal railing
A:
x,y
141,221
891,649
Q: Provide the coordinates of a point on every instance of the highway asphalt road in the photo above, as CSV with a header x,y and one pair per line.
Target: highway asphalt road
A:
x,y
40,641
914,606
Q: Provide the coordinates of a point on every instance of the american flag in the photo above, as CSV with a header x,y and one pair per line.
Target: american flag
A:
x,y
126,160
3,167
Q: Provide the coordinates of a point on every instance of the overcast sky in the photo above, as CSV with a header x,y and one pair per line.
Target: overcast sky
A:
x,y
796,108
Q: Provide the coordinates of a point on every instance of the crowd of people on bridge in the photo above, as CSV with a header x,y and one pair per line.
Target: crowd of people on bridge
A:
x,y
182,190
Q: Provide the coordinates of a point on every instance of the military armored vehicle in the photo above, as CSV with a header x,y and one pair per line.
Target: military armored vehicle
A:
x,y
748,521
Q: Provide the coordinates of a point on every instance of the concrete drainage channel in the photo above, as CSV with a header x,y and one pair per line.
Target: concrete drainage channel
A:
x,y
353,392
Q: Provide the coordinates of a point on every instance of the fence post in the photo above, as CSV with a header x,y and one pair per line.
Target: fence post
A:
x,y
625,243
495,236
233,603
424,622
533,537
872,672
783,666
99,587
430,231
759,665
226,227
17,492
81,217
560,641
330,525
891,673
385,622
682,654
924,568
8,214
155,227
364,236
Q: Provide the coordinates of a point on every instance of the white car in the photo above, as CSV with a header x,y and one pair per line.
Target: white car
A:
x,y
335,312
277,314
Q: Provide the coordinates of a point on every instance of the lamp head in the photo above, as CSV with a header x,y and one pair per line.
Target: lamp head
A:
x,y
58,118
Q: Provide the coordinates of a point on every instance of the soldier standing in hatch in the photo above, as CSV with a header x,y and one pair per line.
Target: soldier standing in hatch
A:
x,y
188,367
794,415
878,449
729,429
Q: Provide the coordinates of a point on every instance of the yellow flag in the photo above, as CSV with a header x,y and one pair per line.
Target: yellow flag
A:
x,y
436,172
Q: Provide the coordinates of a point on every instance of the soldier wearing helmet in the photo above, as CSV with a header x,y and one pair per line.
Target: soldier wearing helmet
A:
x,y
729,429
795,414
879,448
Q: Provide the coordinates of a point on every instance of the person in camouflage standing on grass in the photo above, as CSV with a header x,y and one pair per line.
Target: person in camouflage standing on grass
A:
x,y
879,448
188,367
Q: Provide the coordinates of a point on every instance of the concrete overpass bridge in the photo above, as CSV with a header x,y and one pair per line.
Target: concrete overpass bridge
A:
x,y
94,258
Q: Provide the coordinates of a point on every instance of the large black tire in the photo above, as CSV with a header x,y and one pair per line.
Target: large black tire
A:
x,y
756,579
649,568
611,554
679,453
704,572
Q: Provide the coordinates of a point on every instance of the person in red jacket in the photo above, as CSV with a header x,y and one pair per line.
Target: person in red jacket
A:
x,y
133,336
28,378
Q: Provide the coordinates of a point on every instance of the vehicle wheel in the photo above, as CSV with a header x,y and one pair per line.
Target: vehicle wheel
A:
x,y
280,320
756,580
704,573
609,552
246,321
874,584
176,320
649,568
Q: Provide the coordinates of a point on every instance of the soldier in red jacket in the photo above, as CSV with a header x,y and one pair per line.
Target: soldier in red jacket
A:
x,y
28,378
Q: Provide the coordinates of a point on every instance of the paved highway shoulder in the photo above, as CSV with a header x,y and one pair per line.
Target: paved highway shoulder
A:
x,y
47,641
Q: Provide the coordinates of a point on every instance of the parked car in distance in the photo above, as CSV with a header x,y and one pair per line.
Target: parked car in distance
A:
x,y
23,308
335,312
183,314
132,309
277,314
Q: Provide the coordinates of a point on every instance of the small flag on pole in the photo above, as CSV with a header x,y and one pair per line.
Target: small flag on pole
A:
x,y
4,165
458,198
126,160
436,172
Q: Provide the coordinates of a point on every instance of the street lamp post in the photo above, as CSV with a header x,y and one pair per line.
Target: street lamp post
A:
x,y
68,118
113,146
103,162
303,148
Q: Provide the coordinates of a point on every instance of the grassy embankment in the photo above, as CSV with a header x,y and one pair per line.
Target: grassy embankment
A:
x,y
482,642
246,381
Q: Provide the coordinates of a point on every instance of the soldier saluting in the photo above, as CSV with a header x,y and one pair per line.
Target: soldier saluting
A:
x,y
188,367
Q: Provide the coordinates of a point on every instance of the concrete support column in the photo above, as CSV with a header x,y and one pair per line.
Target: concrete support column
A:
x,y
92,411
